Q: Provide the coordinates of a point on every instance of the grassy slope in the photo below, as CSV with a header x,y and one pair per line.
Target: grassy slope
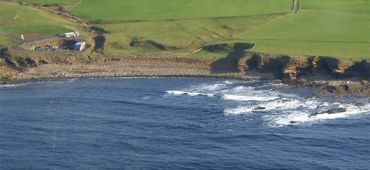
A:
x,y
188,35
332,27
16,20
176,9
186,24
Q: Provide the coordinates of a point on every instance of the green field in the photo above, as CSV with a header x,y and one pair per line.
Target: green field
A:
x,y
16,20
325,28
169,9
332,27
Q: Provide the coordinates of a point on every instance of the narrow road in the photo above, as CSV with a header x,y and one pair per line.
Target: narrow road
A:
x,y
296,6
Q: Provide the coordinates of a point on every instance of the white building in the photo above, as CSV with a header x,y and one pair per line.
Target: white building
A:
x,y
71,34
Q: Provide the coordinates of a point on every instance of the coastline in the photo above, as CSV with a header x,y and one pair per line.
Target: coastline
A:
x,y
126,67
333,76
179,67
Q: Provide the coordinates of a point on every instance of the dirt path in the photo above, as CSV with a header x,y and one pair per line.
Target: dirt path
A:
x,y
296,6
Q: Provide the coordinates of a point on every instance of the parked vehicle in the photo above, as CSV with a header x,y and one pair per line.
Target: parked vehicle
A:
x,y
71,34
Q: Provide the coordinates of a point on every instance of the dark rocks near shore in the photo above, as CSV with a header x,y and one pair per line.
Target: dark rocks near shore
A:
x,y
329,75
359,104
330,111
342,88
361,68
336,110
259,109
293,122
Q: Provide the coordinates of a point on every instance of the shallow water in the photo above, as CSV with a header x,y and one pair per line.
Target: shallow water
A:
x,y
178,123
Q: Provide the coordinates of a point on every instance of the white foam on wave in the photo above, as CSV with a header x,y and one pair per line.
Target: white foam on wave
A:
x,y
272,84
275,107
209,90
267,105
282,104
238,111
295,117
351,111
179,93
248,98
228,82
58,82
289,104
241,89
10,85
47,83
208,87
249,93
292,110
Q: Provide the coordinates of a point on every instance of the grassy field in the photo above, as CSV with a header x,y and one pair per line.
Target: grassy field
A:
x,y
332,27
325,28
126,10
16,20
187,35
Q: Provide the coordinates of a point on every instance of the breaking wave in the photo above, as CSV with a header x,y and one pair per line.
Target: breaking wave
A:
x,y
46,83
238,111
179,93
277,104
247,98
209,90
310,116
10,85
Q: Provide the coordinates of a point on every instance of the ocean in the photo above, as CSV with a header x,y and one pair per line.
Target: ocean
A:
x,y
179,123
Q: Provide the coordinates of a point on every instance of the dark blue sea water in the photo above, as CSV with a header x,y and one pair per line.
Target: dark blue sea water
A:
x,y
178,123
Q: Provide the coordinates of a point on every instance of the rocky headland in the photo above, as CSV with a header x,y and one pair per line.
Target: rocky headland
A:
x,y
332,77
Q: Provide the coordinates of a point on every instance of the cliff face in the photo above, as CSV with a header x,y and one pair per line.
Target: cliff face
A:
x,y
328,73
332,76
238,61
310,67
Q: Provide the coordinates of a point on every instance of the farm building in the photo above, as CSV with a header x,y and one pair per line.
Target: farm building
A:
x,y
54,44
71,34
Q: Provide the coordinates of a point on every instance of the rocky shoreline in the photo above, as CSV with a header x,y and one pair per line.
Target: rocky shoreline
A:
x,y
124,67
331,76
336,88
246,68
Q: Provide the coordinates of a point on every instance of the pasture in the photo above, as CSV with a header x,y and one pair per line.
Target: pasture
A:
x,y
16,20
324,28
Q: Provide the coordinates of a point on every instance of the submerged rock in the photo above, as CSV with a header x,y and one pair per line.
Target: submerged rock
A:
x,y
336,110
360,104
259,108
293,122
286,100
330,111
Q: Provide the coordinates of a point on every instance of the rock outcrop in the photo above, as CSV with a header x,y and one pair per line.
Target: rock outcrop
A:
x,y
330,111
